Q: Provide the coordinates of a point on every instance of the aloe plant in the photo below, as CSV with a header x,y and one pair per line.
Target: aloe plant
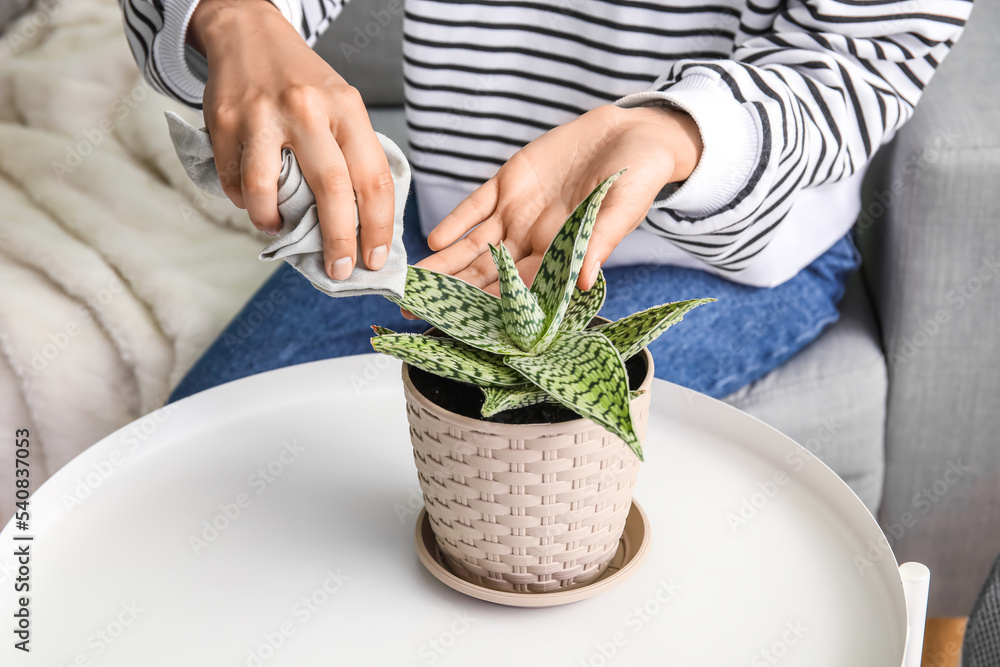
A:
x,y
533,345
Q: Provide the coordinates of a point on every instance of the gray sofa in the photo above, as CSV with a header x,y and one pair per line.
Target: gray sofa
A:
x,y
901,396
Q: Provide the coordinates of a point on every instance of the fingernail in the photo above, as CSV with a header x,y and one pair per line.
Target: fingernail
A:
x,y
342,268
271,232
593,275
376,259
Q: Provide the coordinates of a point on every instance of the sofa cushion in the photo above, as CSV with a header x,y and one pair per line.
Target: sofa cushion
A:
x,y
830,397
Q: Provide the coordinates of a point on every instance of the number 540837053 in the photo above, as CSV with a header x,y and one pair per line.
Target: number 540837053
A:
x,y
21,467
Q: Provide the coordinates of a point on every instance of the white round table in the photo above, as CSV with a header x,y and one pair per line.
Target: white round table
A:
x,y
270,521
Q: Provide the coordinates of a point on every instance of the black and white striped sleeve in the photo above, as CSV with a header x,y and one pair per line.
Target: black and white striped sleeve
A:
x,y
802,103
157,30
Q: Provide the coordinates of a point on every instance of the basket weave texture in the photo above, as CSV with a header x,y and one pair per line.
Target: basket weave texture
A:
x,y
527,508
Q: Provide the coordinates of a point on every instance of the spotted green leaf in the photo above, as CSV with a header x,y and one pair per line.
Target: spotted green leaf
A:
x,y
498,399
583,371
522,316
631,334
462,311
447,358
560,266
585,305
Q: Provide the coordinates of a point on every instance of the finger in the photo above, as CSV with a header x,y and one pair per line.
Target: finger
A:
x,y
463,252
474,209
373,187
527,267
260,167
480,272
227,146
326,172
616,219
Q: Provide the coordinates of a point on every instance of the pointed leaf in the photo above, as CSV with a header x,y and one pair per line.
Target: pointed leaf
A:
x,y
522,315
499,399
464,312
560,267
584,372
585,305
631,334
447,358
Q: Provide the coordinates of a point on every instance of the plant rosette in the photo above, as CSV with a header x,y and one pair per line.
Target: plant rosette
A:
x,y
527,414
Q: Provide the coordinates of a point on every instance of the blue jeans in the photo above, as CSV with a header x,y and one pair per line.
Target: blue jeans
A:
x,y
717,349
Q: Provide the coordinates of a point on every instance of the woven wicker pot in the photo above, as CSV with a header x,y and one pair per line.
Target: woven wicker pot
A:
x,y
528,508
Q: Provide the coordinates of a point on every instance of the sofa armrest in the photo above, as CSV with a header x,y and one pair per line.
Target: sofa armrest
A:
x,y
930,235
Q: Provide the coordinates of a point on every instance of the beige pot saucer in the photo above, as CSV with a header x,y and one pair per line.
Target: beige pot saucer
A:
x,y
632,550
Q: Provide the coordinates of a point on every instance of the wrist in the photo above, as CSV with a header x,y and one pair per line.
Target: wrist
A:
x,y
213,20
675,132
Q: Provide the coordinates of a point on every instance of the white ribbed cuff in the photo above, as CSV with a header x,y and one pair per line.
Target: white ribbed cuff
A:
x,y
729,137
169,47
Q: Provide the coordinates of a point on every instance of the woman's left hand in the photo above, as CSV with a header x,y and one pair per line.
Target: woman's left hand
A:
x,y
529,198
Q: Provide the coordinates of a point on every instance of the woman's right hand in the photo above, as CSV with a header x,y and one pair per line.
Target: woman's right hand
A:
x,y
267,90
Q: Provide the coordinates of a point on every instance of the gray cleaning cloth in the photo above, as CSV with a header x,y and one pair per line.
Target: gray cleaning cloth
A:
x,y
300,242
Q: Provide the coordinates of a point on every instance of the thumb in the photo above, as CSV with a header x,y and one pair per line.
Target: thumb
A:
x,y
613,224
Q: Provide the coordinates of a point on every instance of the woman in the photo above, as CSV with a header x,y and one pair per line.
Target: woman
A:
x,y
746,128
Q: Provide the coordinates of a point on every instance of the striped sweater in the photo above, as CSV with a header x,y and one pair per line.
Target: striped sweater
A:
x,y
792,98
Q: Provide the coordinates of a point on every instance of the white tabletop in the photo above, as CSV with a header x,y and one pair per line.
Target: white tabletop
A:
x,y
758,552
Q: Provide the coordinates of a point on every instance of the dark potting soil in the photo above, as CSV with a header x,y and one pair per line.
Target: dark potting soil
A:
x,y
467,400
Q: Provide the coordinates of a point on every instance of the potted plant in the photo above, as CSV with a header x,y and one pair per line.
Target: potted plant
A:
x,y
526,416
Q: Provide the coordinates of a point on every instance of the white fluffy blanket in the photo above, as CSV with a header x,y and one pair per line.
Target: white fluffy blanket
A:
x,y
115,272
